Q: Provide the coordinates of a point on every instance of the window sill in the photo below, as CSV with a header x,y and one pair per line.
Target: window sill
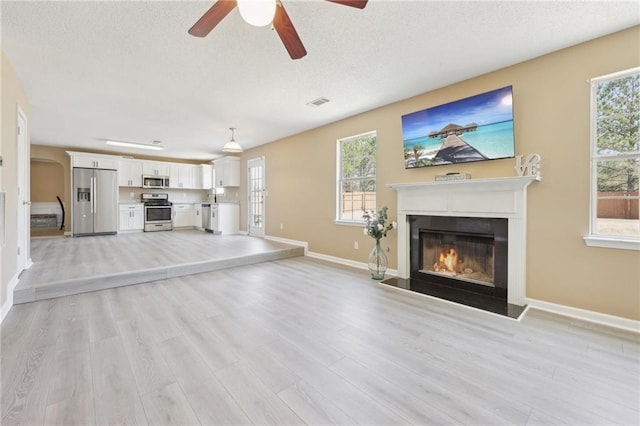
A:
x,y
612,242
358,223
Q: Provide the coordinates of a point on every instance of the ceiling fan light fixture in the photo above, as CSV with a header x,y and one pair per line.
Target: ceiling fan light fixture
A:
x,y
258,13
232,146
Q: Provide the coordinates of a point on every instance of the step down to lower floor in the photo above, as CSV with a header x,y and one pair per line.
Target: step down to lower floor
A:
x,y
50,290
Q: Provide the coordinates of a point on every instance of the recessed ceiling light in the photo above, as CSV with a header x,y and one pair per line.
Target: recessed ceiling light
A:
x,y
154,147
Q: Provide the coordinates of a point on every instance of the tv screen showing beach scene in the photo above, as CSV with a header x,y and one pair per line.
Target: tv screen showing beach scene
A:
x,y
477,128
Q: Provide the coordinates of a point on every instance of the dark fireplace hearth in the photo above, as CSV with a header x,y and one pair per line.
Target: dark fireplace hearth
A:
x,y
461,259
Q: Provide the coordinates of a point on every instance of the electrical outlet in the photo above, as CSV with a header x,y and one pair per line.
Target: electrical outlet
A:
x,y
355,245
281,226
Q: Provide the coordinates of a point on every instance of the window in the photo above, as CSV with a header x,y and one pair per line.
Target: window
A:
x,y
356,188
615,160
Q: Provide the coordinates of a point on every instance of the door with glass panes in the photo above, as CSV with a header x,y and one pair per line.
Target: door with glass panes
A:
x,y
256,189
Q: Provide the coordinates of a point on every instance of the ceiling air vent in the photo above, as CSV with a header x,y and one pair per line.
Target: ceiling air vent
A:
x,y
316,103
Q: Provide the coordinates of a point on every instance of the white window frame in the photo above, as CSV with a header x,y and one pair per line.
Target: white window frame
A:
x,y
339,180
595,239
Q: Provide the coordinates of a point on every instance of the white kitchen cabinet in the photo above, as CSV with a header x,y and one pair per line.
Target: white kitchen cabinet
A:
x,y
182,176
93,161
225,218
227,171
205,176
183,215
156,168
130,172
131,217
197,216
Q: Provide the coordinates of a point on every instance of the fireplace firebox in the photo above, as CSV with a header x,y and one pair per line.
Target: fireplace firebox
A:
x,y
461,253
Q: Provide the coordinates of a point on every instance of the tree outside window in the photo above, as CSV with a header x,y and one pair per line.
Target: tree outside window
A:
x,y
356,176
616,155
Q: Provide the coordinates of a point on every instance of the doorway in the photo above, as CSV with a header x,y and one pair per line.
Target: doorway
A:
x,y
256,189
47,187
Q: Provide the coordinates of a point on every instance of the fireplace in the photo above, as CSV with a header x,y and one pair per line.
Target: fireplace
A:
x,y
465,253
484,218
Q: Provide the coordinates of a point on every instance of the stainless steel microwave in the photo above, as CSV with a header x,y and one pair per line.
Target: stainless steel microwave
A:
x,y
155,182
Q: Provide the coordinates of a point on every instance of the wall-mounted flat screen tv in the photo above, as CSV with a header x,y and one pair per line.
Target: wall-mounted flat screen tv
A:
x,y
477,128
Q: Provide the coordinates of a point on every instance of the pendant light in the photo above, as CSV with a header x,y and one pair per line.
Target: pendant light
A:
x,y
232,146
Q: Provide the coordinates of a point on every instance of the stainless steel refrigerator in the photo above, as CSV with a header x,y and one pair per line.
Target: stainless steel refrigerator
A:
x,y
95,201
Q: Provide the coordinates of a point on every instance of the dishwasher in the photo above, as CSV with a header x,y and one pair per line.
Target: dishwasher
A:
x,y
206,216
210,217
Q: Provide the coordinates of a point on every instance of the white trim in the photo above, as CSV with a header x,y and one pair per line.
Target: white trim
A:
x,y
612,242
347,262
595,239
616,75
357,223
338,219
261,162
8,304
585,315
328,258
24,191
304,244
492,198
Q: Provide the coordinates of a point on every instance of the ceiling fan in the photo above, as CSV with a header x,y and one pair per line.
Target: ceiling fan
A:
x,y
278,18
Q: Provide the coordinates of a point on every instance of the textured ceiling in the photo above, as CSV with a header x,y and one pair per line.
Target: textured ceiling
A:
x,y
129,70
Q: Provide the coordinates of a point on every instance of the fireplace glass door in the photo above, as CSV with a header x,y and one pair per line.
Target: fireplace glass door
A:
x,y
466,257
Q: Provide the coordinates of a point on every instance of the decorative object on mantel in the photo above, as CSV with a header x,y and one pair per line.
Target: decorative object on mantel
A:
x,y
452,176
531,167
377,228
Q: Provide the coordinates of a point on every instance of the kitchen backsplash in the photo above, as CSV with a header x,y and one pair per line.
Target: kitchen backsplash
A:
x,y
180,195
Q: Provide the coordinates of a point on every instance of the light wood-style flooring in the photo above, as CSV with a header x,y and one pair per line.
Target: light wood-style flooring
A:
x,y
66,266
300,341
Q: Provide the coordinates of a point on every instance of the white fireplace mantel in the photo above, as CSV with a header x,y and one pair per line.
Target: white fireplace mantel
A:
x,y
492,198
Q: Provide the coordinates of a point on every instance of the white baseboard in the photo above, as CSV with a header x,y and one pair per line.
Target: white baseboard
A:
x,y
8,304
334,259
585,315
347,262
304,244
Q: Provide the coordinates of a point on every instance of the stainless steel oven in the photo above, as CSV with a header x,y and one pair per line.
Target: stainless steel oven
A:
x,y
157,212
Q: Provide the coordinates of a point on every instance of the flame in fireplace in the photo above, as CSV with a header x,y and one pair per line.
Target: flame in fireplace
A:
x,y
450,262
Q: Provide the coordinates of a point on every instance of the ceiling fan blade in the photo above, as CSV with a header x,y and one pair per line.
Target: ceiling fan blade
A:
x,y
288,35
360,4
212,17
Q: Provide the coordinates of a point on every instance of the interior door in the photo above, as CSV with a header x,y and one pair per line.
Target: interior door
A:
x,y
257,192
24,210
